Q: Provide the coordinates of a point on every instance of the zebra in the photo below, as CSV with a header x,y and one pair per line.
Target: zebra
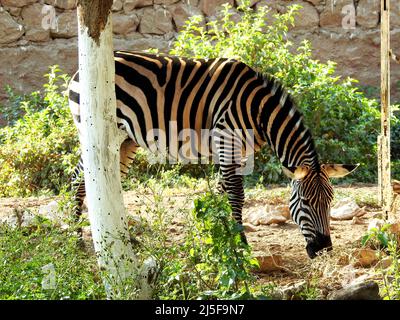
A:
x,y
226,96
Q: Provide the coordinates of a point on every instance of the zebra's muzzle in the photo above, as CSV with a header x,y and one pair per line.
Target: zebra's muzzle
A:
x,y
317,244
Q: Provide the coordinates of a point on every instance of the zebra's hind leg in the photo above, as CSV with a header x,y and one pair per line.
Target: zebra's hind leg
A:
x,y
79,193
221,187
127,153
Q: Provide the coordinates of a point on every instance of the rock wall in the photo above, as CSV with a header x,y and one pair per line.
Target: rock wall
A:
x,y
35,34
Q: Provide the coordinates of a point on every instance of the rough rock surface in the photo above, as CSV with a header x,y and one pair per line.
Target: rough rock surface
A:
x,y
269,215
364,257
66,26
16,3
10,30
334,12
359,291
156,21
269,263
346,209
32,17
144,24
368,13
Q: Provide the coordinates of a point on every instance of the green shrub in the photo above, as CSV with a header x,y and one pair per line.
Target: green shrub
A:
x,y
343,121
207,260
40,147
386,241
25,252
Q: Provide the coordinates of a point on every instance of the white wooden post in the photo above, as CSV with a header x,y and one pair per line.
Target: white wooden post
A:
x,y
100,142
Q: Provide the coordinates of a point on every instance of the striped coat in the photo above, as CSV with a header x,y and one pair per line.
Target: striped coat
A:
x,y
166,103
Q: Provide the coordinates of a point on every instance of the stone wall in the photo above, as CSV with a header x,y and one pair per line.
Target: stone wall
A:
x,y
35,34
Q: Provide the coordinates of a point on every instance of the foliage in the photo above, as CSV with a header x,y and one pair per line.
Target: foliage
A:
x,y
13,109
26,251
209,261
377,237
344,122
38,150
387,242
390,286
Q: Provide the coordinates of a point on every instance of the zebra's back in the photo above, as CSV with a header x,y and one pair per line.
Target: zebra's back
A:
x,y
161,94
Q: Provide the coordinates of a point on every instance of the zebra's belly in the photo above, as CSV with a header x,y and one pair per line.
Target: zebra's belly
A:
x,y
187,145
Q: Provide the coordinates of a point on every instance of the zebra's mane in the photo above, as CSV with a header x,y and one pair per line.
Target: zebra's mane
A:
x,y
290,106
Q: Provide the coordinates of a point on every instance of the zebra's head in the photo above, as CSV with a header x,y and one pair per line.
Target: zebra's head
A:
x,y
310,202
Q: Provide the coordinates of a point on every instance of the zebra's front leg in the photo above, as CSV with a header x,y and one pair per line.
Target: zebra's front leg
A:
x,y
232,181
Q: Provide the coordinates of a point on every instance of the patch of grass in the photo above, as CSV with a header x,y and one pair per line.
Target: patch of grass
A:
x,y
43,261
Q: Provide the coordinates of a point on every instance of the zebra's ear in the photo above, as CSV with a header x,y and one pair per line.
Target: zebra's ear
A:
x,y
339,170
296,173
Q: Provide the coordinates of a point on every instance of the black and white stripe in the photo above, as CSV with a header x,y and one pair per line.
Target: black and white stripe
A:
x,y
223,95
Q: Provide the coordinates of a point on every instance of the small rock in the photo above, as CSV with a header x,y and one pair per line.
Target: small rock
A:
x,y
255,216
365,257
284,211
269,215
249,227
356,220
19,218
396,186
359,291
346,209
289,292
272,219
385,262
130,5
395,228
32,18
269,263
181,12
51,211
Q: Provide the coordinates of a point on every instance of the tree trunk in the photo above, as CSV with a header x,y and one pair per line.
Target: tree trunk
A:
x,y
100,142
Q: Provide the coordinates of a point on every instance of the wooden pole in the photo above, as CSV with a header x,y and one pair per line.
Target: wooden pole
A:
x,y
385,190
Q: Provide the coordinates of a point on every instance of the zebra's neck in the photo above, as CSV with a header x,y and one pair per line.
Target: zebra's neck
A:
x,y
284,128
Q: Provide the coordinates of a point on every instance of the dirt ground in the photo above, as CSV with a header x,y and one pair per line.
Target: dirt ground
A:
x,y
333,270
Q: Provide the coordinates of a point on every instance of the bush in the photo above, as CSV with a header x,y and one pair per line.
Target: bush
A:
x,y
31,255
209,262
40,147
344,122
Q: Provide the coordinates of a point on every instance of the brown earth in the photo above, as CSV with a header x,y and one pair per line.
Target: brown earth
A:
x,y
333,270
